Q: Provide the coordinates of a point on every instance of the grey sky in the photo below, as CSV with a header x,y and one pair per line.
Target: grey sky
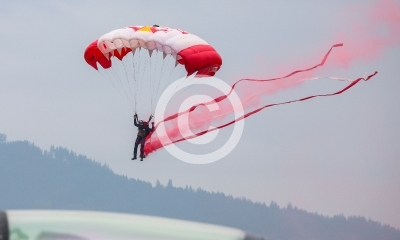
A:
x,y
337,155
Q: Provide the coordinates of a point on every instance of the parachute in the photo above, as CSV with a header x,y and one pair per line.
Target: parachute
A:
x,y
162,45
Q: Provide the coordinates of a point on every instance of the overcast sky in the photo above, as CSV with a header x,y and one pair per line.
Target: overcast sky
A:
x,y
334,155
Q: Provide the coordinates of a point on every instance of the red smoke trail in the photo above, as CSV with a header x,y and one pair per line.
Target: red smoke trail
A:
x,y
366,42
223,97
154,144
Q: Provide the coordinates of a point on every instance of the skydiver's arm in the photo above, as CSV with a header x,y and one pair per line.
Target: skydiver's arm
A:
x,y
135,122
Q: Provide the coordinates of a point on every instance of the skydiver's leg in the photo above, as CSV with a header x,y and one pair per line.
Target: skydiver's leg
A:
x,y
138,139
142,147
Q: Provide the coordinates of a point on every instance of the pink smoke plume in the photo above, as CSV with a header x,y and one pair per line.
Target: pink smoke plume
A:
x,y
369,37
367,41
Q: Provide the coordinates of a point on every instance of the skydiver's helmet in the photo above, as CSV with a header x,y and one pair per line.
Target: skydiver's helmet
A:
x,y
141,122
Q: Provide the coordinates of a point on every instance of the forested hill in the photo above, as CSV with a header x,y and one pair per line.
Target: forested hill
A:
x,y
60,179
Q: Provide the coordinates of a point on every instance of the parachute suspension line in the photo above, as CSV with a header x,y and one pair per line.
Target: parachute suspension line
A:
x,y
125,94
143,71
109,79
126,69
168,79
134,81
138,72
184,90
113,81
155,80
151,80
140,75
182,82
116,75
178,86
159,81
170,73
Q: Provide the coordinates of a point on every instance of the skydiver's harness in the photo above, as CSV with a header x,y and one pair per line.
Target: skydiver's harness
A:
x,y
143,132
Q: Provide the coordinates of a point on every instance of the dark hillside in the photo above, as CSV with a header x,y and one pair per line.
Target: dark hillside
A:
x,y
60,179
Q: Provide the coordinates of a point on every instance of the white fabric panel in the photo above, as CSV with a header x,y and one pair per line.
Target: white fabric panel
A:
x,y
180,42
167,40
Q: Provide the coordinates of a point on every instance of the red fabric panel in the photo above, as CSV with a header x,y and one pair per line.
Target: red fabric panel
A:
x,y
121,55
93,55
201,58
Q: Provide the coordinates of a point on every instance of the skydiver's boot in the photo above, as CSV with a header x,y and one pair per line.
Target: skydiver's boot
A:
x,y
134,156
141,158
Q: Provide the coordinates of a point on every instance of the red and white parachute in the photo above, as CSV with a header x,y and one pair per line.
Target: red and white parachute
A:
x,y
188,49
182,48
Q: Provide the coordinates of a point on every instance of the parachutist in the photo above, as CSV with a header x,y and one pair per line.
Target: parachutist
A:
x,y
195,55
143,131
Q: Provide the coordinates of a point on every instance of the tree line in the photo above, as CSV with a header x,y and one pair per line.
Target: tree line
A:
x,y
31,178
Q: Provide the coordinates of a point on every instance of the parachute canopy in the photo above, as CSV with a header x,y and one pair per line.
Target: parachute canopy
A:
x,y
195,54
